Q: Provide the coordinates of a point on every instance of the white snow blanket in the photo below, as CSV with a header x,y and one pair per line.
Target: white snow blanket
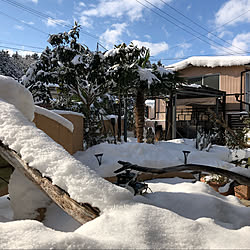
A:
x,y
160,155
42,153
210,61
178,214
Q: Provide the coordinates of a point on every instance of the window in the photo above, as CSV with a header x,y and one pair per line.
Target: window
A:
x,y
195,80
211,81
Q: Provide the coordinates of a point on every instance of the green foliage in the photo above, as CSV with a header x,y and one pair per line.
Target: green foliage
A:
x,y
238,139
38,77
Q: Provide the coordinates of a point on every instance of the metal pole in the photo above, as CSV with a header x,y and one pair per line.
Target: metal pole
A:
x,y
125,120
119,120
174,117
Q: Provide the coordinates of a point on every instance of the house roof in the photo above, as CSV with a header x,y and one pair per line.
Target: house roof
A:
x,y
210,61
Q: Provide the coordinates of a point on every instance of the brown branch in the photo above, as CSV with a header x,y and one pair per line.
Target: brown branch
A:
x,y
81,212
241,179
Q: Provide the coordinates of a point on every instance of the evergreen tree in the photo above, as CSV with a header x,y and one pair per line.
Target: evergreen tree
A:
x,y
38,77
79,74
9,66
131,71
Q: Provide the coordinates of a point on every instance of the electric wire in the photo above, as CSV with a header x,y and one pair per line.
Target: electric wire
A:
x,y
226,23
18,20
18,44
200,26
198,37
43,16
19,49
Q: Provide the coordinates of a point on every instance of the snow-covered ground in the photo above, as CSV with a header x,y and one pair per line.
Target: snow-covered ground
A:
x,y
161,154
177,214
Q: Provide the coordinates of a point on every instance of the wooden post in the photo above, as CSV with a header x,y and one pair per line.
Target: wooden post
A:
x,y
81,212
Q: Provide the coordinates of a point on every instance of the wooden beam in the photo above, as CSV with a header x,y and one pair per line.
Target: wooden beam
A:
x,y
240,179
81,212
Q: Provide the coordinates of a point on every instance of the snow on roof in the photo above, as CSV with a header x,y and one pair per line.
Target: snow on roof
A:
x,y
211,61
13,92
42,153
56,117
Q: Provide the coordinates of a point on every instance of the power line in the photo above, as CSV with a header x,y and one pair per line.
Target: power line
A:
x,y
18,44
199,37
43,16
192,39
18,49
208,32
18,20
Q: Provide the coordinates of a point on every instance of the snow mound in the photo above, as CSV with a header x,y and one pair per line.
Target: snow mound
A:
x,y
56,117
42,153
211,61
13,92
178,214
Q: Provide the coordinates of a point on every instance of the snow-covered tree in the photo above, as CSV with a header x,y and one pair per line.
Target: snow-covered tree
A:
x,y
132,73
38,77
79,74
11,65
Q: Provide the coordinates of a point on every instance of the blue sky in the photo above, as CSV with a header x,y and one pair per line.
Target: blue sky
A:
x,y
160,25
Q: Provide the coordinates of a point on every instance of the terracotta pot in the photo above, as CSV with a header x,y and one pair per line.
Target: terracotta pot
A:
x,y
216,186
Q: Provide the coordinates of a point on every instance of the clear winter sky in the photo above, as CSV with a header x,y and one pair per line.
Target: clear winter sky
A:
x,y
160,25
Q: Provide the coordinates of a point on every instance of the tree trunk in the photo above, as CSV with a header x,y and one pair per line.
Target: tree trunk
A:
x,y
139,115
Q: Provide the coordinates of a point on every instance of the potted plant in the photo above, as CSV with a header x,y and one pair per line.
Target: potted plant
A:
x,y
217,181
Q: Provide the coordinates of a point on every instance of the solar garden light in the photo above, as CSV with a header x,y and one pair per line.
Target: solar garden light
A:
x,y
99,158
186,153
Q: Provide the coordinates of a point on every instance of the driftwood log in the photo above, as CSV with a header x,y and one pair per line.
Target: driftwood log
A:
x,y
238,178
81,212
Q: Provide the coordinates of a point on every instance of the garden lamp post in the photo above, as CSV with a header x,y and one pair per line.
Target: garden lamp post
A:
x,y
99,158
186,153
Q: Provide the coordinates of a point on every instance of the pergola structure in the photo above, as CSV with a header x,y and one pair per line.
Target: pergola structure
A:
x,y
196,97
